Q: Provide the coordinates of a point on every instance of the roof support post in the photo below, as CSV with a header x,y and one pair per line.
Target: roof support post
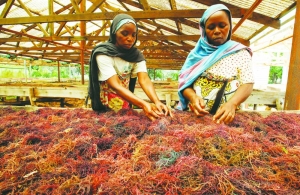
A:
x,y
292,96
82,42
58,71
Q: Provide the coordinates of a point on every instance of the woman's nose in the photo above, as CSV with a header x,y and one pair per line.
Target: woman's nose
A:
x,y
130,39
217,30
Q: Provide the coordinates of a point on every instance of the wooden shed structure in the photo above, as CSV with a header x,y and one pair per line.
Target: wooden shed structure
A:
x,y
67,30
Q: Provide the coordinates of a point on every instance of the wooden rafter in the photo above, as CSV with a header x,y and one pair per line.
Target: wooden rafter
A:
x,y
78,39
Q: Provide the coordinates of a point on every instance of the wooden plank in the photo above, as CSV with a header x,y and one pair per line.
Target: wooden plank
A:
x,y
168,100
264,97
161,93
31,96
60,92
14,91
164,93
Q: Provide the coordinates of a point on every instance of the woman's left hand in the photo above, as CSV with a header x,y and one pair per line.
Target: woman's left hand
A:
x,y
225,113
164,109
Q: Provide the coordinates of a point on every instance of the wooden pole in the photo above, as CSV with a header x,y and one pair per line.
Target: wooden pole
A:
x,y
292,96
25,71
82,43
58,71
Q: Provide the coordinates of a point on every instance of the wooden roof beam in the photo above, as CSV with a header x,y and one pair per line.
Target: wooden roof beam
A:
x,y
246,15
7,7
75,4
96,4
30,14
153,14
39,38
105,38
63,47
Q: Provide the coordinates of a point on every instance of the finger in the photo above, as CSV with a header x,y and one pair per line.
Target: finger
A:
x,y
204,112
200,109
165,110
198,113
157,113
229,118
226,118
159,109
218,116
151,118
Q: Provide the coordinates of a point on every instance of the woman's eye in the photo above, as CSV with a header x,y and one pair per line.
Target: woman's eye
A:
x,y
211,27
124,33
222,25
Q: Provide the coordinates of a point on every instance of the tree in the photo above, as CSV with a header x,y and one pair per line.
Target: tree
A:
x,y
275,75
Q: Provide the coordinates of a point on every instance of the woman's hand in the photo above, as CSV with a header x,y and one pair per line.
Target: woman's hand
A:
x,y
225,113
151,111
197,106
164,108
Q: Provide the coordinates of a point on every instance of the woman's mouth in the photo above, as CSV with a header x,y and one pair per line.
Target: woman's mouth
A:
x,y
218,38
127,46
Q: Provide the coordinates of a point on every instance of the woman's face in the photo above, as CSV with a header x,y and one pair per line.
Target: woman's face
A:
x,y
217,28
126,36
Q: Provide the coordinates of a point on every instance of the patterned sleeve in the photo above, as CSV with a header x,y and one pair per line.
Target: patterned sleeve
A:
x,y
139,67
106,67
245,68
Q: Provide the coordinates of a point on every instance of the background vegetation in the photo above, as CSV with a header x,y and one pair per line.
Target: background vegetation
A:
x,y
71,72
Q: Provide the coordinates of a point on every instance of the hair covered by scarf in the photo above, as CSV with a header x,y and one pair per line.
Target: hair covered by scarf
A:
x,y
110,49
205,55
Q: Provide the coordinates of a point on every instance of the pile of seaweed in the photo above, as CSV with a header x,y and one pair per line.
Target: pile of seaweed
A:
x,y
79,151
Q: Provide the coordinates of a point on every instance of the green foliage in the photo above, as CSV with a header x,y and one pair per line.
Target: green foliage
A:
x,y
158,75
74,72
86,70
151,73
52,72
35,67
275,75
163,74
173,74
36,74
8,71
6,74
20,74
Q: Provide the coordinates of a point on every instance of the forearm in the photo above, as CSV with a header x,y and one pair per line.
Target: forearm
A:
x,y
241,94
148,87
129,96
189,93
149,90
125,93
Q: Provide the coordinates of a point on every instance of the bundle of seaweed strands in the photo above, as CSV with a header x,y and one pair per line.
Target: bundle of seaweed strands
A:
x,y
77,151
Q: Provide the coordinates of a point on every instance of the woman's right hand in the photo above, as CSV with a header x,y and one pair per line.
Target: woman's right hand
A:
x,y
197,106
151,111
196,103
